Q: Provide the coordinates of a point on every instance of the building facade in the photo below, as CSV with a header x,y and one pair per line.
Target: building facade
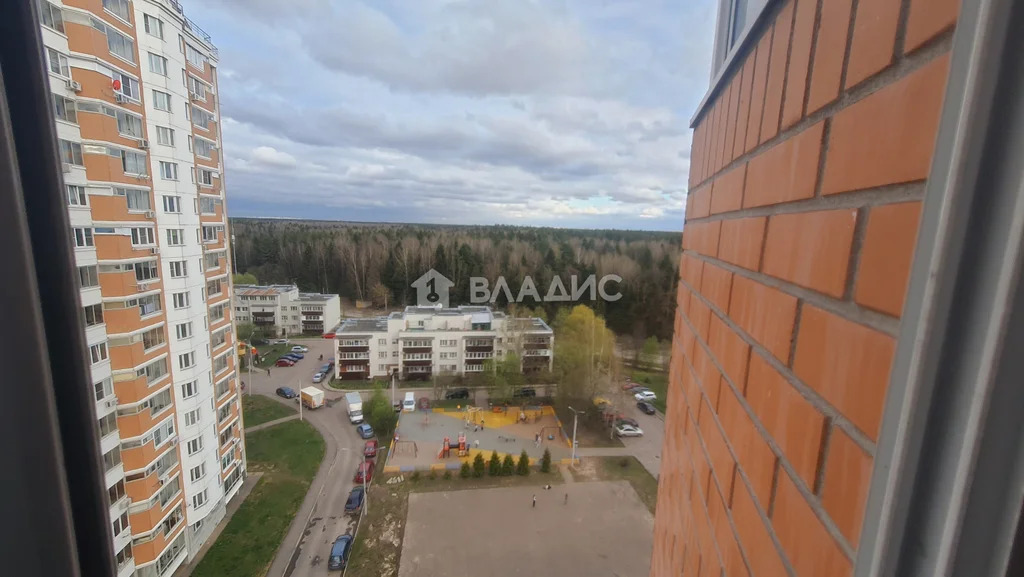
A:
x,y
134,89
811,154
420,342
283,310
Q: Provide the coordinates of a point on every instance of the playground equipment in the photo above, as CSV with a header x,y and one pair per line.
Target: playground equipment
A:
x,y
447,445
472,415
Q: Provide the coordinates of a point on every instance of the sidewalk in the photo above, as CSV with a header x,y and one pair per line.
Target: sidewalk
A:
x,y
250,481
269,424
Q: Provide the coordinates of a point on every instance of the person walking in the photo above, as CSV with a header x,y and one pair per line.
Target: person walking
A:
x,y
268,372
566,499
535,501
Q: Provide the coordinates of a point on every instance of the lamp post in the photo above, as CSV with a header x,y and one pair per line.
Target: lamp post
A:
x,y
575,418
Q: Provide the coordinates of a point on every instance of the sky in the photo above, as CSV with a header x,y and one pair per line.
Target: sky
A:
x,y
571,113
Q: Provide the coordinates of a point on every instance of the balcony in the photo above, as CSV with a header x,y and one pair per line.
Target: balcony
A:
x,y
141,457
353,369
537,352
474,368
129,320
353,356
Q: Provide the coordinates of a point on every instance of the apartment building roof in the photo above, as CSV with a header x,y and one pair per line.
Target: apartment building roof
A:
x,y
350,326
262,290
316,297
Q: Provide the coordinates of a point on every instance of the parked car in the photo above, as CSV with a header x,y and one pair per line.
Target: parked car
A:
x,y
364,473
283,362
295,355
300,349
327,368
355,500
318,377
290,357
625,430
286,392
525,392
645,395
462,393
646,408
626,421
370,450
365,431
259,342
339,553
397,405
629,386
281,342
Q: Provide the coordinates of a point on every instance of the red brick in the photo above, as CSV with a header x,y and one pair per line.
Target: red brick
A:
x,y
741,241
700,316
702,237
701,465
746,78
683,300
799,62
699,202
717,129
688,384
730,119
847,479
847,364
886,257
727,193
927,19
757,92
709,376
811,249
874,38
786,171
753,453
764,558
808,545
793,423
721,460
724,537
764,313
730,350
716,283
696,177
690,270
777,72
888,137
829,53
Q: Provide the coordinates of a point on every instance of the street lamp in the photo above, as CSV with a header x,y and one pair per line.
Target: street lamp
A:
x,y
575,418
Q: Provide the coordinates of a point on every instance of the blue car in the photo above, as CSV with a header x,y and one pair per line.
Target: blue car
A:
x,y
296,355
290,357
339,553
365,431
286,392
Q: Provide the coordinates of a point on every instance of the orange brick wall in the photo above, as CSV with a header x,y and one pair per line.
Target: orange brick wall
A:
x,y
806,179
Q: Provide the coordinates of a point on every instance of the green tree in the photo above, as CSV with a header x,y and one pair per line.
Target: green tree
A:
x,y
509,375
545,462
478,465
508,466
494,466
244,278
585,359
650,355
245,331
465,471
380,415
523,466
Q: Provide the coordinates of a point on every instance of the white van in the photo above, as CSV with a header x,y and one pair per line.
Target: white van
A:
x,y
409,404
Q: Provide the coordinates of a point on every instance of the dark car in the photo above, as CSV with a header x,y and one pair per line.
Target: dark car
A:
x,y
339,553
370,449
291,356
364,474
646,407
626,421
525,392
397,406
365,431
282,362
286,392
296,354
457,394
355,500
259,342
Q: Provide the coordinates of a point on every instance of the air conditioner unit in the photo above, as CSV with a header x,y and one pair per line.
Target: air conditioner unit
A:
x,y
215,174
65,166
123,504
143,144
143,177
154,250
118,97
150,214
174,441
110,403
193,96
142,286
74,85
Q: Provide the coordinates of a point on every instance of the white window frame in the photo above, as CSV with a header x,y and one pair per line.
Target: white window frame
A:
x,y
164,136
159,95
157,64
151,23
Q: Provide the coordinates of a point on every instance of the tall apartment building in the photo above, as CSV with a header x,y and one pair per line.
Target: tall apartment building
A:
x,y
811,156
283,310
423,341
134,88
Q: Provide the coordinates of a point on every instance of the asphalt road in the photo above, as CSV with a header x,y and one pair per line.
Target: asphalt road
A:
x,y
321,518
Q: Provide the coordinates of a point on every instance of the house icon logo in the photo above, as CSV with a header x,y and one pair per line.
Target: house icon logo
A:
x,y
432,289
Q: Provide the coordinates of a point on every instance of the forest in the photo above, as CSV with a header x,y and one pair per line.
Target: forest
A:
x,y
378,262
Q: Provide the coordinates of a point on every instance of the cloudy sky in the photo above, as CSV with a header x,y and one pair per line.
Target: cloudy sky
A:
x,y
565,113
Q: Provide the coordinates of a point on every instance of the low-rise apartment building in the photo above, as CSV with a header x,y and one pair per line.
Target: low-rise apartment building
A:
x,y
283,310
420,342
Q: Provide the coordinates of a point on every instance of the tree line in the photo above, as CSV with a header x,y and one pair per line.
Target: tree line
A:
x,y
378,262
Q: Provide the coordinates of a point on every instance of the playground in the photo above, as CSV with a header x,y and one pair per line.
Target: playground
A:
x,y
575,530
442,439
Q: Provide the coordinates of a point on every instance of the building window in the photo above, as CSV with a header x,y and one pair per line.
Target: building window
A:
x,y
187,360
129,124
88,277
161,101
119,44
153,338
58,63
194,446
137,199
195,57
197,88
145,271
201,118
197,472
180,300
204,148
71,153
83,237
76,195
164,136
189,389
142,236
157,64
120,524
103,389
98,353
191,418
120,8
179,268
199,500
175,237
183,330
133,163
168,170
51,16
92,315
172,204
108,424
153,371
111,459
129,85
64,109
154,26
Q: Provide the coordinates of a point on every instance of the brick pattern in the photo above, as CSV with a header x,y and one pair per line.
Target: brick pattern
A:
x,y
807,174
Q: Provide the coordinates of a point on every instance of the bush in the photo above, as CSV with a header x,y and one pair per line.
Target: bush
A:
x,y
415,476
508,466
624,462
494,466
466,471
479,465
545,462
447,475
523,467
432,475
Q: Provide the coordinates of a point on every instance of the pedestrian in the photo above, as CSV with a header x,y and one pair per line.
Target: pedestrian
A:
x,y
481,424
268,372
566,499
535,501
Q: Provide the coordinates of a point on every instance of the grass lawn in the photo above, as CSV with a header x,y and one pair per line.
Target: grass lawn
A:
x,y
621,468
590,431
357,385
655,381
288,455
258,409
378,546
270,353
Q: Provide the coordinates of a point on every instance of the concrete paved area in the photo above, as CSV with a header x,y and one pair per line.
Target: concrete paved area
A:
x,y
603,529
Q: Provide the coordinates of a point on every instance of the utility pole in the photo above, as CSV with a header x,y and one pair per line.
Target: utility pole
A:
x,y
575,419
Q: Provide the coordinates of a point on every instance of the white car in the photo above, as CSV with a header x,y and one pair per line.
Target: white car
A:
x,y
318,377
624,430
300,349
281,342
645,395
